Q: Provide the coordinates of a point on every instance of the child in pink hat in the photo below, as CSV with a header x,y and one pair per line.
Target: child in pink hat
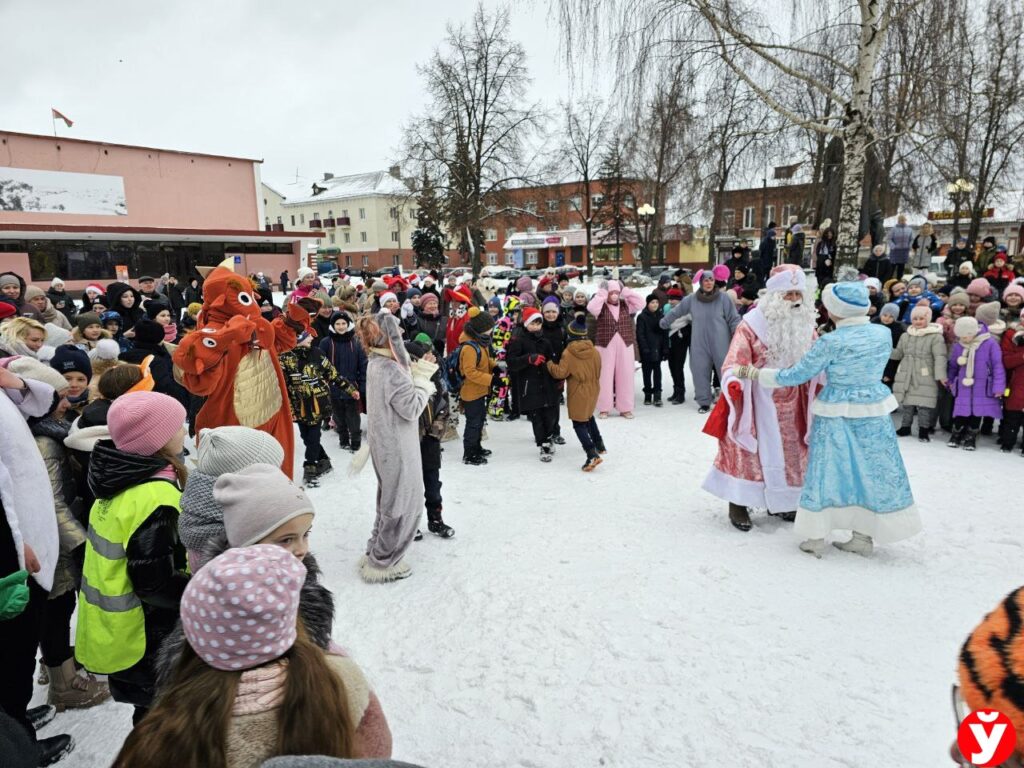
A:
x,y
134,570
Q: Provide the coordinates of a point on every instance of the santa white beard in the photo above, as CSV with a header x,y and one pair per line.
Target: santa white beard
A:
x,y
790,328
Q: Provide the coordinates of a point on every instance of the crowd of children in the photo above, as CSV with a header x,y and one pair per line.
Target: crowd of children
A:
x,y
158,558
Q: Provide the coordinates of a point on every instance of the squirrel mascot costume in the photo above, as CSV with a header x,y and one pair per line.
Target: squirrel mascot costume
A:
x,y
231,360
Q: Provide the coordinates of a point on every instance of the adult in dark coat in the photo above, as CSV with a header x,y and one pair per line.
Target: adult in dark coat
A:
x,y
956,256
149,340
194,292
767,251
736,259
527,353
823,257
652,342
878,265
343,351
62,300
174,297
795,248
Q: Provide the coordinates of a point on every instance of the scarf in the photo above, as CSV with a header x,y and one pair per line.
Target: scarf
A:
x,y
707,298
971,349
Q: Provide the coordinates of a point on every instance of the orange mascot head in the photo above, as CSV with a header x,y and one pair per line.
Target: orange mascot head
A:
x,y
227,295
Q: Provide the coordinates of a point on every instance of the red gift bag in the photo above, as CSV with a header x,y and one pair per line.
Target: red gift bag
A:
x,y
718,420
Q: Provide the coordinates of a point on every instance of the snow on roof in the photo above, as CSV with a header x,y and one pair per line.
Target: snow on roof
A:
x,y
272,189
343,187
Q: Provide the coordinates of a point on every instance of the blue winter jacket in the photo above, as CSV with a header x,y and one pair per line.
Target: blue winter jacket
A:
x,y
906,303
347,356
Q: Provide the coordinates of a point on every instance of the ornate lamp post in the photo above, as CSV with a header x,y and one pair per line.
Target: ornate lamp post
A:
x,y
646,213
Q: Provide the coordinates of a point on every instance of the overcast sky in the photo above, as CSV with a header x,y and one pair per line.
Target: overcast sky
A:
x,y
313,86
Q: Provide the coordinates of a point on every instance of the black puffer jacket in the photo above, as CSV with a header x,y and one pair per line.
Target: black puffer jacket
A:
x,y
162,368
63,303
536,387
556,336
156,560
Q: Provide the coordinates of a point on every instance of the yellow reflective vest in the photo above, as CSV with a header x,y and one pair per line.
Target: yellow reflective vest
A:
x,y
111,632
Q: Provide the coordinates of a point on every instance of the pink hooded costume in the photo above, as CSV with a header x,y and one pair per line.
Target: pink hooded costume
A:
x,y
614,306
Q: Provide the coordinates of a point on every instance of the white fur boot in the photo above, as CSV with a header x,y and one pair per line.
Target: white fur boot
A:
x,y
373,575
814,547
860,544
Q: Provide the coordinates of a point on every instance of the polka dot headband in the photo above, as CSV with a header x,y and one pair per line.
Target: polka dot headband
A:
x,y
239,611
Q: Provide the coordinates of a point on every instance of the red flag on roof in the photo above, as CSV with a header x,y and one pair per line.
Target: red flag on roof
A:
x,y
60,115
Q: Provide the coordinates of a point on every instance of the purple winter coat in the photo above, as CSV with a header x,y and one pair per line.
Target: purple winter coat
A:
x,y
981,399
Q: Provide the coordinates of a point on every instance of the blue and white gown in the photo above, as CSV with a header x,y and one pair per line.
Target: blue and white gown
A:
x,y
855,476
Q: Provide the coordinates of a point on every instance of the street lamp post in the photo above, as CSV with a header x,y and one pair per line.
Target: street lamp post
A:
x,y
958,193
646,213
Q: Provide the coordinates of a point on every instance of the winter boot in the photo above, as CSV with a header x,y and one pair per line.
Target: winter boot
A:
x,y
54,748
418,536
39,716
647,398
657,399
558,439
323,466
483,452
814,547
704,409
739,517
599,445
355,446
956,439
437,526
674,399
789,517
924,434
593,459
43,678
859,544
903,431
969,439
372,574
474,459
546,452
309,474
344,443
70,690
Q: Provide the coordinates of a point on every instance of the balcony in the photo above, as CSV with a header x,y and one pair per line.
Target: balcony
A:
x,y
274,227
343,221
329,223
315,224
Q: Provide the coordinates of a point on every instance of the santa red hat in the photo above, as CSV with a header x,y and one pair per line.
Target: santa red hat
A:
x,y
396,284
463,294
530,314
99,290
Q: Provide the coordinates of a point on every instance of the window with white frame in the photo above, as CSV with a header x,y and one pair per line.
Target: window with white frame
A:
x,y
491,235
748,217
510,259
492,259
531,230
530,207
769,215
510,231
293,219
531,257
728,218
393,213
553,206
362,237
302,218
628,201
576,202
414,214
344,213
348,237
596,200
332,238
787,211
394,236
366,261
362,213
348,261
278,219
575,225
396,260
316,216
330,213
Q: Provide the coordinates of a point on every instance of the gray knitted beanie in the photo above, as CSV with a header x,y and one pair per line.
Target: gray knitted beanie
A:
x,y
230,449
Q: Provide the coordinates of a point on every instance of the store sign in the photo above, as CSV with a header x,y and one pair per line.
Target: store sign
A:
x,y
987,213
554,241
32,191
121,273
526,242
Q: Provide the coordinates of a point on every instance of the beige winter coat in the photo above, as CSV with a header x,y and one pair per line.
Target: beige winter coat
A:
x,y
922,356
70,530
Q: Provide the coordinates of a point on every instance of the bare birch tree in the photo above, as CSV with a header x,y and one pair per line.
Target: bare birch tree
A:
x,y
650,30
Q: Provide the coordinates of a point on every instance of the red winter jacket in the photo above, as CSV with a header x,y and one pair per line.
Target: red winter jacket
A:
x,y
1013,361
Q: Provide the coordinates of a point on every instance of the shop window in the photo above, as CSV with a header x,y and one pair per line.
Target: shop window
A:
x,y
531,257
576,254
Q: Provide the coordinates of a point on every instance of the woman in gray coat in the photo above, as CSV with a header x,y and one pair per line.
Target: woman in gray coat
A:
x,y
922,355
396,394
714,320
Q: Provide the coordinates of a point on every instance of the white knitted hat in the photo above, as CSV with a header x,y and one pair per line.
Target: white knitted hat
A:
x,y
257,501
29,368
231,449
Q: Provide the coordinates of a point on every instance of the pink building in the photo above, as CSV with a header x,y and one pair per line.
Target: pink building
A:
x,y
88,211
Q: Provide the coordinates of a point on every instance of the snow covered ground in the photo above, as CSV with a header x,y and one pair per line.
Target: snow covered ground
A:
x,y
616,619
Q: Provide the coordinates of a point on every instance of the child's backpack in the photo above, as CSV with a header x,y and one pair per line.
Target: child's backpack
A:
x,y
453,373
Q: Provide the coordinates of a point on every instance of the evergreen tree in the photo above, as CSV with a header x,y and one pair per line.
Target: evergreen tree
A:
x,y
427,239
615,212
